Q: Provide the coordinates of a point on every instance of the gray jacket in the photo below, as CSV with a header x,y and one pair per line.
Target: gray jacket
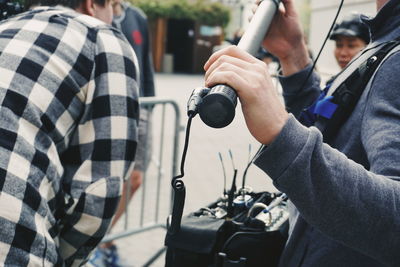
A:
x,y
347,195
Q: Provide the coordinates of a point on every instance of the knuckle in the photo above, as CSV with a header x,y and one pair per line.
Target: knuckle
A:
x,y
222,59
261,68
230,78
260,65
231,48
258,81
224,65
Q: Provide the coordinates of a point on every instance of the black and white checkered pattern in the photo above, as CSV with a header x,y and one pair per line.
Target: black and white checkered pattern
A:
x,y
68,122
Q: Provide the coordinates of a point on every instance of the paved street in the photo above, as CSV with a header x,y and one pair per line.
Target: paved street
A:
x,y
203,171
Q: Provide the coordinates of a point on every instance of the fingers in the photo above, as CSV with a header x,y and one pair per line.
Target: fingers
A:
x,y
232,76
239,74
226,60
290,9
232,51
230,61
247,82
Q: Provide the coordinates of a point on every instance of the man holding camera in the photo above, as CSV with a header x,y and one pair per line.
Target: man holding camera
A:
x,y
345,195
69,112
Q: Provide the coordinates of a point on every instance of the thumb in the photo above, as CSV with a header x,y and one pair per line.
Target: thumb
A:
x,y
290,9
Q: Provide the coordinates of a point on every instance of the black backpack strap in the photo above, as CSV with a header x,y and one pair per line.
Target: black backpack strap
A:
x,y
346,96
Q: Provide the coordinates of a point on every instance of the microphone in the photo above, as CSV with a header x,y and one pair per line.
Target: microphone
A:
x,y
217,108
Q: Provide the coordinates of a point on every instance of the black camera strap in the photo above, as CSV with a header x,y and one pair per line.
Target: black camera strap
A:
x,y
174,220
342,102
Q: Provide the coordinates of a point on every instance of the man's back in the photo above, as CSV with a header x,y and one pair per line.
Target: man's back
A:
x,y
65,146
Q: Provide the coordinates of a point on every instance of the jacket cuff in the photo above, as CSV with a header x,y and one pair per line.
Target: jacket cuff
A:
x,y
291,84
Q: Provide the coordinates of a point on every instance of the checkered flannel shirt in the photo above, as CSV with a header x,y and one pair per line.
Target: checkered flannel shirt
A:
x,y
68,114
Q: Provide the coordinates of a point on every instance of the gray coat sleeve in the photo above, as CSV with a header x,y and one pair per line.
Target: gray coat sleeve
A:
x,y
352,205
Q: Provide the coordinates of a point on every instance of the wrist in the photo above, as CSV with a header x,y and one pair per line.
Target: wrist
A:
x,y
275,128
296,60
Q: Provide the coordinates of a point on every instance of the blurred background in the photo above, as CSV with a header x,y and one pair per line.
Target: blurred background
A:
x,y
186,32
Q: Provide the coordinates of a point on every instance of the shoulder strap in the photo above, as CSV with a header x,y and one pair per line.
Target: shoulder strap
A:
x,y
336,109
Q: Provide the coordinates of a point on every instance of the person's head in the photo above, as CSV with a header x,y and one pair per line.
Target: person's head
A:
x,y
350,35
100,9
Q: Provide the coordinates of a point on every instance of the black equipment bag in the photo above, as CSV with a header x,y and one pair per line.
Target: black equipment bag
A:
x,y
207,241
348,93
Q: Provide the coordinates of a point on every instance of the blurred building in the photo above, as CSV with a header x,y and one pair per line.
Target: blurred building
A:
x,y
322,15
184,33
240,12
316,17
187,44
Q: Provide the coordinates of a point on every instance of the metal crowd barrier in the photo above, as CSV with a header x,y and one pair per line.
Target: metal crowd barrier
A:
x,y
158,163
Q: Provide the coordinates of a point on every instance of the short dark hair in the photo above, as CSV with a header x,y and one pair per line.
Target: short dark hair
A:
x,y
67,3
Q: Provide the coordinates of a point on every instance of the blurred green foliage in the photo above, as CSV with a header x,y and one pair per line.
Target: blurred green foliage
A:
x,y
203,11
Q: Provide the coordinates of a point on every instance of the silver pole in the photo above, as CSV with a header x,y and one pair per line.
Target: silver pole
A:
x,y
258,27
